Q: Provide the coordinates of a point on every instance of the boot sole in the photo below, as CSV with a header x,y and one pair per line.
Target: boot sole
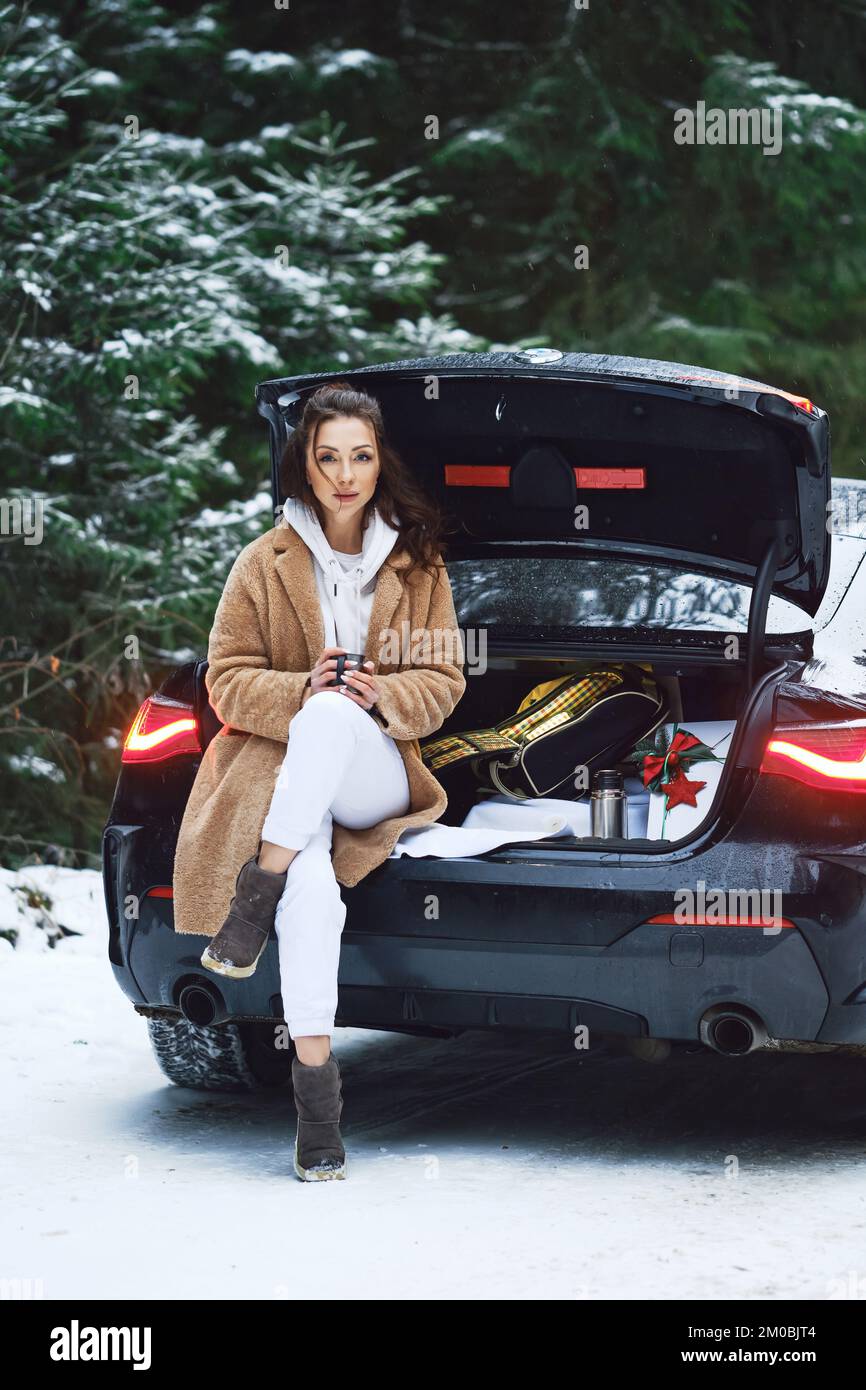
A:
x,y
233,972
311,1175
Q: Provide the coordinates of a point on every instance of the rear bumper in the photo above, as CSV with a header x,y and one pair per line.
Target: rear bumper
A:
x,y
542,939
656,981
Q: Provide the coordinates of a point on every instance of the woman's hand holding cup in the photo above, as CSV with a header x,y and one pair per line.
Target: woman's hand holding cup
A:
x,y
358,684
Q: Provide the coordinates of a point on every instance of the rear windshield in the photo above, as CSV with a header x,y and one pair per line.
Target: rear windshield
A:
x,y
564,592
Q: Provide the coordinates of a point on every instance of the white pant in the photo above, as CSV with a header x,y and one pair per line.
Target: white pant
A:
x,y
341,766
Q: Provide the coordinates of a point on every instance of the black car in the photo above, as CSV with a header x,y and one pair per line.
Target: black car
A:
x,y
613,509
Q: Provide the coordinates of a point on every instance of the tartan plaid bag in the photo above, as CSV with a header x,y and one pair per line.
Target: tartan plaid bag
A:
x,y
590,720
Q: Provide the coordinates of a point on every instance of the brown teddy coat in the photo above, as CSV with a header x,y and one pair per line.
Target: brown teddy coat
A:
x,y
267,635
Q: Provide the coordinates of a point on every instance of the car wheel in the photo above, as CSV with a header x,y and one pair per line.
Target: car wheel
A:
x,y
230,1057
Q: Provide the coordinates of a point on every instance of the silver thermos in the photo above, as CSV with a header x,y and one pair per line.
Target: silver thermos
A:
x,y
608,806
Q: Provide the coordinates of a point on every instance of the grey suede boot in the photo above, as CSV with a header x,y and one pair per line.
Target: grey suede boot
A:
x,y
236,947
319,1152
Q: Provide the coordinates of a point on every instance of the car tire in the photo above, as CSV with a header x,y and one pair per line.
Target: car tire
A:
x,y
230,1057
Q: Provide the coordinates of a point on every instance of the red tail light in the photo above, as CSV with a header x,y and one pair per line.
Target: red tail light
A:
x,y
827,756
161,729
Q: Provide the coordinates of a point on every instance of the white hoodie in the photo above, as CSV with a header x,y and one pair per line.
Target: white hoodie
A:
x,y
346,596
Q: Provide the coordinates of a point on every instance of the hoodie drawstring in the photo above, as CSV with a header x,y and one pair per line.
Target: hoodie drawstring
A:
x,y
357,572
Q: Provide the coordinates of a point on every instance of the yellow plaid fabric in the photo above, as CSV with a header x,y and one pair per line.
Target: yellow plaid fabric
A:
x,y
569,698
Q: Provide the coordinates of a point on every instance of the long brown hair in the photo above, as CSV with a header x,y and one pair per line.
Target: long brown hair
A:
x,y
421,524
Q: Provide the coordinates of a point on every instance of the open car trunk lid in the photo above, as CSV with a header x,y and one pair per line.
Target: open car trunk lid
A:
x,y
632,463
540,453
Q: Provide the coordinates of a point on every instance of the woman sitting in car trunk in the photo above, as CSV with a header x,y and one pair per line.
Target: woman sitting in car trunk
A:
x,y
310,783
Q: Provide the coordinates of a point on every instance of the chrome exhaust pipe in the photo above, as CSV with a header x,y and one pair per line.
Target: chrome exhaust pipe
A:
x,y
732,1030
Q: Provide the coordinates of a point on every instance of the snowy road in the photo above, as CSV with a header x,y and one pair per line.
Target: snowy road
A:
x,y
479,1168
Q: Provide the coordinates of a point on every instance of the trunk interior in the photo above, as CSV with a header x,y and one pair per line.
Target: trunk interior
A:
x,y
697,695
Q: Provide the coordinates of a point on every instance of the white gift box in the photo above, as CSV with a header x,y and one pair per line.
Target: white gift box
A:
x,y
681,820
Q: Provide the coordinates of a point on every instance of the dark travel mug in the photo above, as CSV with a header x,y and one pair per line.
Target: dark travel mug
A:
x,y
357,657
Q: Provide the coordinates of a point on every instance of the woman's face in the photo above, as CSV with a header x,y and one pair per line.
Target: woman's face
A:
x,y
343,465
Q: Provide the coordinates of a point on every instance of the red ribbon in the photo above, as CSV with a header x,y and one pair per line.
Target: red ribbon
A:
x,y
653,764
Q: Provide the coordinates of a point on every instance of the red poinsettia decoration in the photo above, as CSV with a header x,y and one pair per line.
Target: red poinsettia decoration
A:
x,y
654,763
664,769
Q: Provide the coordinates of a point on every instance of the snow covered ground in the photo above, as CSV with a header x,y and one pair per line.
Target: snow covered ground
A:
x,y
479,1168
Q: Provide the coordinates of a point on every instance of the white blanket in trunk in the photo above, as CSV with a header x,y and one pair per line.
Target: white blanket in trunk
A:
x,y
497,820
